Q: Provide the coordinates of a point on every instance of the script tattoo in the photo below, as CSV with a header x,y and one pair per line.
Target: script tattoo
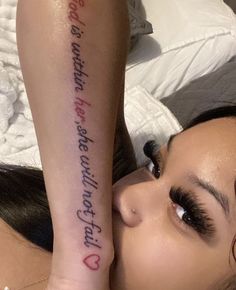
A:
x,y
81,106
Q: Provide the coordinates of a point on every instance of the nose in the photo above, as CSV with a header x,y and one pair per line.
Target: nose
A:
x,y
128,214
140,198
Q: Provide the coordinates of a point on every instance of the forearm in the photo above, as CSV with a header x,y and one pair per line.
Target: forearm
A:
x,y
73,55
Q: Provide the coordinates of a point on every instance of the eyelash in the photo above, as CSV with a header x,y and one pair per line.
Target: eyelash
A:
x,y
194,214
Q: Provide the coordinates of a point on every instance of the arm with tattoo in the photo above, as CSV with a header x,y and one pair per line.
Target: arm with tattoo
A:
x,y
73,55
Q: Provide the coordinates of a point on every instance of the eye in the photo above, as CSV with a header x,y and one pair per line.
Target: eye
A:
x,y
154,169
179,211
152,150
182,214
190,212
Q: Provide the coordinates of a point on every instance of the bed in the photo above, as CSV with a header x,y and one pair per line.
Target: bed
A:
x,y
173,45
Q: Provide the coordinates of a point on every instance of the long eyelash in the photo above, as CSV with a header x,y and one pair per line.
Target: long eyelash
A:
x,y
156,169
195,216
149,149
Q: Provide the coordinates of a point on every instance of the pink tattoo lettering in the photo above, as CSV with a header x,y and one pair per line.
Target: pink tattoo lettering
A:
x,y
89,185
73,13
80,105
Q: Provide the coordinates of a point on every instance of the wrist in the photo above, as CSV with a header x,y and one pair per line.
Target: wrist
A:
x,y
100,281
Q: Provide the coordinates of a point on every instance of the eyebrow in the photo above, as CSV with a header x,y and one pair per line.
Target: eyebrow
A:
x,y
220,197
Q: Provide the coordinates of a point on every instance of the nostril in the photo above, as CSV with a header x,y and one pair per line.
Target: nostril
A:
x,y
114,208
130,217
127,214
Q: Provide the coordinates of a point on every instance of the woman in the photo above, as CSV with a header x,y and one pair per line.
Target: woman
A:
x,y
184,221
86,73
173,218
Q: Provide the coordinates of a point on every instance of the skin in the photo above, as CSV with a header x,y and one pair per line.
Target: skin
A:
x,y
82,49
22,263
155,251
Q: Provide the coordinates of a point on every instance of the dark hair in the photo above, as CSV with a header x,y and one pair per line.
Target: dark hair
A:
x,y
222,112
216,113
24,204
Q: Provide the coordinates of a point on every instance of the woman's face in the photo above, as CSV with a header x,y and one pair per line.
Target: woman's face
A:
x,y
181,234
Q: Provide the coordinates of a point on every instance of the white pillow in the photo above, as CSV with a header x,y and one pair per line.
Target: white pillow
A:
x,y
180,22
191,38
147,119
138,24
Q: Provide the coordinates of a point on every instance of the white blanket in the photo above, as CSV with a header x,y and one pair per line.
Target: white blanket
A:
x,y
146,119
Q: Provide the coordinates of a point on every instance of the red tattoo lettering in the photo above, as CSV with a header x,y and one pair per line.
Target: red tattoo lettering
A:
x,y
78,108
73,14
92,262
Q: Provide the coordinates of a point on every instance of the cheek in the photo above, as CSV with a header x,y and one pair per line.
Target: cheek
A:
x,y
151,258
147,260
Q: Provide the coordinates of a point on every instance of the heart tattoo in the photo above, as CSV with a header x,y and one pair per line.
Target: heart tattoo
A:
x,y
92,262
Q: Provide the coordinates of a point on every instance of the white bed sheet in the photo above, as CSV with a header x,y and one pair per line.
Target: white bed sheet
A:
x,y
146,117
18,142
